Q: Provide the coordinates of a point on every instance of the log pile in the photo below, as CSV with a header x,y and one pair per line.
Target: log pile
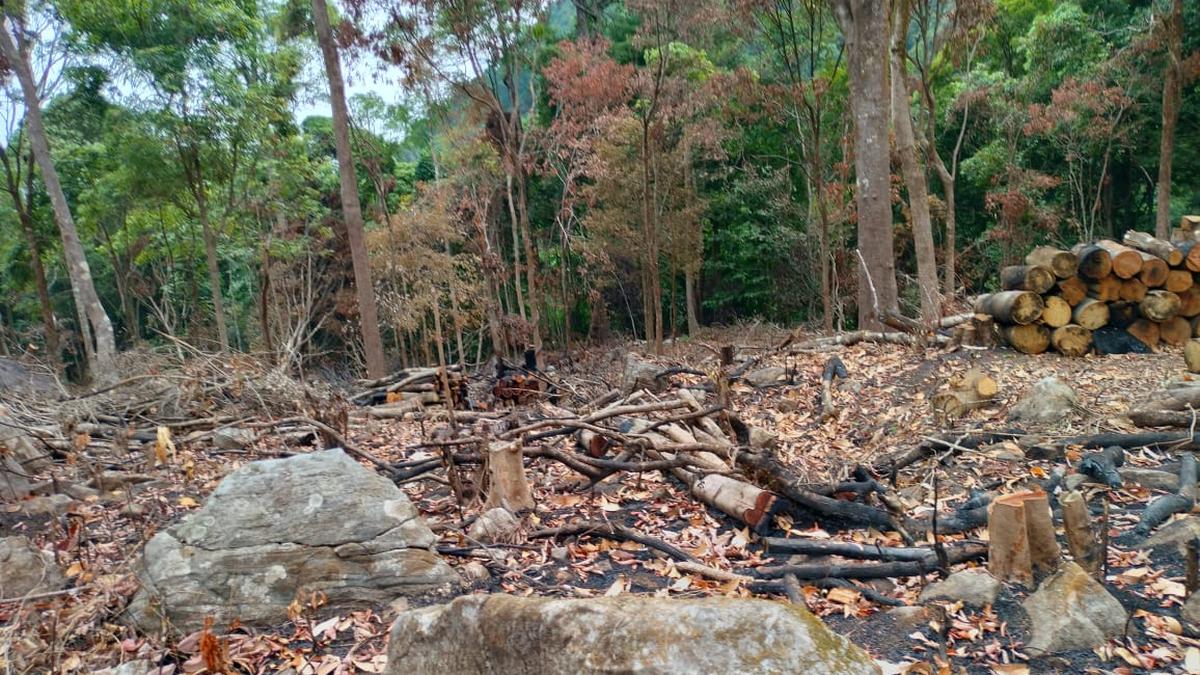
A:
x,y
1105,296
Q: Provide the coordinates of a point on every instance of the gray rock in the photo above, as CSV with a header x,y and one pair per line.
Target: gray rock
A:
x,y
974,587
281,527
16,444
1051,400
636,635
639,374
1176,534
494,525
765,376
761,438
1072,611
13,484
1190,613
49,505
20,380
26,569
232,438
475,572
1152,479
1074,480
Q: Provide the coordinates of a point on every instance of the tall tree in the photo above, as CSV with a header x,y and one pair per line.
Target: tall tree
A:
x,y
1172,92
351,208
912,168
864,26
15,45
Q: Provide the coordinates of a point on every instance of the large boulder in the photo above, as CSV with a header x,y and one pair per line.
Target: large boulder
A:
x,y
278,528
637,635
26,569
1072,611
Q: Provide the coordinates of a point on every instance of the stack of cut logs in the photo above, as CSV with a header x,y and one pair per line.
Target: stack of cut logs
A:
x,y
1145,287
413,385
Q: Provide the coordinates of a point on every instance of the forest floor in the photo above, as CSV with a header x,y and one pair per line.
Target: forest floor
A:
x,y
883,407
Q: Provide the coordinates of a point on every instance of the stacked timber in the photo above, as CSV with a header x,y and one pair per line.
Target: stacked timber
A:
x,y
1141,287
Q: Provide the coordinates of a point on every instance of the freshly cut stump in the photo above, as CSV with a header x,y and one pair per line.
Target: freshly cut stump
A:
x,y
1028,339
967,391
1071,340
1175,331
1094,262
1072,290
1057,312
1160,305
1019,307
1027,278
1091,314
1021,537
1062,263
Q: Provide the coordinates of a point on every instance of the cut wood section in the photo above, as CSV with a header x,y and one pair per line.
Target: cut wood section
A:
x,y
1062,263
1154,270
1021,537
1081,538
1148,243
1191,355
1133,290
1126,262
1191,255
1028,339
1071,340
1189,302
1179,281
967,391
1106,289
1175,331
507,485
1121,313
1159,305
1019,307
1072,290
1057,312
1094,262
1091,314
1145,331
1027,278
1195,326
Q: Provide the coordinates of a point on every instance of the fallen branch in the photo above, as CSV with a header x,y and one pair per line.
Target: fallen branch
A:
x,y
849,549
1162,508
613,531
903,568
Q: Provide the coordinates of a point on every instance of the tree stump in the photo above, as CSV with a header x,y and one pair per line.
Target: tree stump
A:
x,y
968,391
1021,537
1081,539
508,487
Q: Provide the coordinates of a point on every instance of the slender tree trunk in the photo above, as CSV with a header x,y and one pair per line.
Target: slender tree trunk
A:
x,y
1171,94
351,207
531,264
864,27
914,175
103,366
120,277
949,279
516,243
49,325
689,298
200,192
653,284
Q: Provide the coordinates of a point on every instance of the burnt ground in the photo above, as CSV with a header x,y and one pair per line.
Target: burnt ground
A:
x,y
883,407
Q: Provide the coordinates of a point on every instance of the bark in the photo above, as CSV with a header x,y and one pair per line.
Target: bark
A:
x,y
914,176
103,366
1172,91
864,28
351,208
195,176
689,292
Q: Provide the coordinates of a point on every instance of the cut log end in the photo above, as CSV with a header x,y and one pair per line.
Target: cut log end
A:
x,y
1071,340
1057,312
1014,307
1028,339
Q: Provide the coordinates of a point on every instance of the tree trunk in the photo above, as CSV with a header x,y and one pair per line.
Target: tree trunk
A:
x,y
210,252
653,292
914,175
531,263
516,242
864,27
43,289
1172,90
689,298
103,366
351,209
